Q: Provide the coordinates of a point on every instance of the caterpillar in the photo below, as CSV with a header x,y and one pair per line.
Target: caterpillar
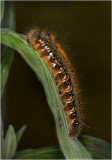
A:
x,y
63,75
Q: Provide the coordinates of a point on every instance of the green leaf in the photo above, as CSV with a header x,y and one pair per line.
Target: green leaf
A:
x,y
8,21
10,143
5,65
72,148
43,153
6,53
20,133
99,149
2,10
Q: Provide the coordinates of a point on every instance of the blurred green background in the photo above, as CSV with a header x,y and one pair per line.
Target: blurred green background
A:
x,y
83,28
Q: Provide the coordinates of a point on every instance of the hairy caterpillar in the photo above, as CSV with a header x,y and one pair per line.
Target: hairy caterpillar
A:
x,y
63,76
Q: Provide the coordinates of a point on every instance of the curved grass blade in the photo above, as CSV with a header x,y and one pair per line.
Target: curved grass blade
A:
x,y
8,21
6,52
98,148
72,148
43,153
10,144
20,133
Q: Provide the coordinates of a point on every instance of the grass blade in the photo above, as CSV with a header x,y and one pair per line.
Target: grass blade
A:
x,y
7,16
7,53
2,10
10,143
43,153
72,148
98,148
20,133
5,66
